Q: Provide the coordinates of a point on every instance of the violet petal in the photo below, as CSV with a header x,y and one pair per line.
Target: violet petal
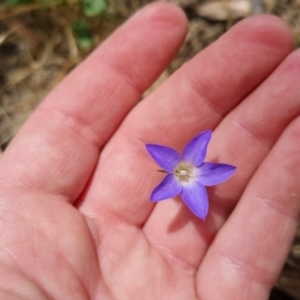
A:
x,y
195,197
195,150
168,188
166,157
213,173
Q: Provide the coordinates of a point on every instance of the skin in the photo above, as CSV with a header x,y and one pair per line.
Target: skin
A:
x,y
75,217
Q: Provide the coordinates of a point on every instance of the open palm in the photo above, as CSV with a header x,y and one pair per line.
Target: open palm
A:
x,y
75,217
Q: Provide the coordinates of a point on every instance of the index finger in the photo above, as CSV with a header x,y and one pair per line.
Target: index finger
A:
x,y
57,149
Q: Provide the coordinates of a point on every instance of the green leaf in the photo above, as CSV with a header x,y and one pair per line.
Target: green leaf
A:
x,y
94,8
83,34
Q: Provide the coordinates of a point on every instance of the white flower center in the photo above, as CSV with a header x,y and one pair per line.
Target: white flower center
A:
x,y
184,172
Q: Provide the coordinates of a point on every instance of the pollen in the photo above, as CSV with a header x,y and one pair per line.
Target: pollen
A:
x,y
184,172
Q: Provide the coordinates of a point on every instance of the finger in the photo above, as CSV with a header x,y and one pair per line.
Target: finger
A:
x,y
243,139
57,149
194,99
246,136
233,145
249,251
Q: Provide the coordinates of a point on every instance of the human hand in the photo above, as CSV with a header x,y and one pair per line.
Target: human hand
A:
x,y
76,221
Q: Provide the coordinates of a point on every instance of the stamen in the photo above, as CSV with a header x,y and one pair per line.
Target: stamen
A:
x,y
184,172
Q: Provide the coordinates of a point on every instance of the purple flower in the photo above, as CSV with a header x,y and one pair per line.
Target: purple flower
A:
x,y
188,174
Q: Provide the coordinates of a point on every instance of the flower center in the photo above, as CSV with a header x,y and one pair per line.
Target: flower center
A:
x,y
184,172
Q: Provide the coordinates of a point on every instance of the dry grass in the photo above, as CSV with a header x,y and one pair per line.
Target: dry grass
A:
x,y
38,48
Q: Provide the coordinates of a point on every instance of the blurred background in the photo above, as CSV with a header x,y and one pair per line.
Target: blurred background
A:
x,y
42,40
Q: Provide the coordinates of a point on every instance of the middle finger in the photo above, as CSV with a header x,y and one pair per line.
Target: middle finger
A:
x,y
195,98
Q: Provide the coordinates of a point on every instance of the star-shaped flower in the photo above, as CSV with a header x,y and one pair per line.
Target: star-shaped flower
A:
x,y
188,174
